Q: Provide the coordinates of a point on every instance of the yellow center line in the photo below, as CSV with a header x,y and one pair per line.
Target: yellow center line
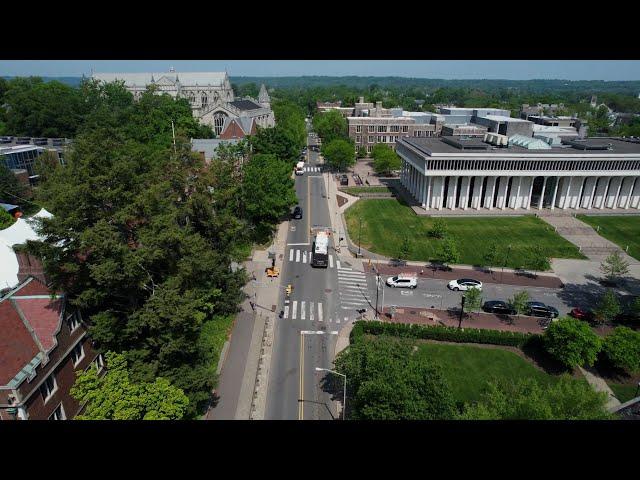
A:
x,y
301,386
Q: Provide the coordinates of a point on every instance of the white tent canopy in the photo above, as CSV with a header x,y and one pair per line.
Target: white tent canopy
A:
x,y
17,234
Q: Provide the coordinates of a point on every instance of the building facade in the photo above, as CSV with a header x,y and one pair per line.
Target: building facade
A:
x,y
209,93
367,131
451,173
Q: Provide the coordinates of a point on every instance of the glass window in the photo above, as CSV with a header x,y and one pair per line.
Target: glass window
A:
x,y
99,362
58,414
74,321
48,387
77,354
358,128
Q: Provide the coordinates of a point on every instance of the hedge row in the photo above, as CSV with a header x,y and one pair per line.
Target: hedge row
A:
x,y
442,333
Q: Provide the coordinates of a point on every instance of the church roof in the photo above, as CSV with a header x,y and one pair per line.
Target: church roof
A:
x,y
246,104
144,79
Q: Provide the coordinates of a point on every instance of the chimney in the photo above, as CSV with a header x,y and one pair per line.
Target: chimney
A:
x,y
362,98
378,105
28,265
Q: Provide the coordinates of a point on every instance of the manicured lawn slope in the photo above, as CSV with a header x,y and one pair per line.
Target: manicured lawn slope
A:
x,y
469,368
386,222
624,392
623,230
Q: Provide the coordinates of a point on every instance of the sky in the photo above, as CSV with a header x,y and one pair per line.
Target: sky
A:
x,y
445,69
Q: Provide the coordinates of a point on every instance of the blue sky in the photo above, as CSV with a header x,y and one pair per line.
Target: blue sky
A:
x,y
448,69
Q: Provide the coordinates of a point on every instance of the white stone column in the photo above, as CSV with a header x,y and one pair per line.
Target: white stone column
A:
x,y
503,184
477,192
490,192
576,190
441,199
625,192
451,193
423,192
544,187
589,190
601,190
635,196
612,194
464,192
563,191
514,197
527,188
428,198
555,193
615,202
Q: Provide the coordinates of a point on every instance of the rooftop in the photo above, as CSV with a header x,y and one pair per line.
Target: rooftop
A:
x,y
589,146
503,118
246,104
146,78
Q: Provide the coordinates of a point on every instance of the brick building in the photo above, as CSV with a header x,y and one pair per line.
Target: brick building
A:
x,y
43,343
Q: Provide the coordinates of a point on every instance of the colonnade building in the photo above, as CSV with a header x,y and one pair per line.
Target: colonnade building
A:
x,y
451,173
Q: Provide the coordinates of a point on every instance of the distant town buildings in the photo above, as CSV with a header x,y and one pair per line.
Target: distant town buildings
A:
x,y
210,95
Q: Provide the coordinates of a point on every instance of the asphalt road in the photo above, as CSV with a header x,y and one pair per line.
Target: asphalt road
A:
x,y
295,390
433,293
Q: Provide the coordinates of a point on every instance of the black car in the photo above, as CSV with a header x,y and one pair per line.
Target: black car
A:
x,y
498,306
297,213
344,180
539,309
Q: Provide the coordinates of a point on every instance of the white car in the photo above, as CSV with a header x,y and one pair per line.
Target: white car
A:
x,y
402,281
464,284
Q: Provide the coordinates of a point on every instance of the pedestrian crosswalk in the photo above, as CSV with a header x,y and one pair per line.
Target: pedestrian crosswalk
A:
x,y
311,169
314,311
353,291
304,256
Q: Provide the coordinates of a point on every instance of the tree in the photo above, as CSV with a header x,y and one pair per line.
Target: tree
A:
x,y
114,396
539,258
386,381
276,141
622,349
384,159
11,190
405,248
339,154
6,220
439,228
330,126
362,152
520,302
472,302
635,308
491,255
608,307
529,399
449,252
614,266
572,342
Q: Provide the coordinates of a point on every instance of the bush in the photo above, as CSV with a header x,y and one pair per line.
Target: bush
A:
x,y
439,228
441,333
572,342
622,348
5,219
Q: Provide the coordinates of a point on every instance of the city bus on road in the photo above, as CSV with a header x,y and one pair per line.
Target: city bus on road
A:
x,y
299,168
320,255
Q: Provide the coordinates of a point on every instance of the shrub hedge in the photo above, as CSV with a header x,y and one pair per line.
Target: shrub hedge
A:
x,y
442,333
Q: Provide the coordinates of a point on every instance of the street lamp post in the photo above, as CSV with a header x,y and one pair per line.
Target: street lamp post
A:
x,y
359,233
344,391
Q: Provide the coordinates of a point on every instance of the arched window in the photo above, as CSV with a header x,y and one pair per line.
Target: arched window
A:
x,y
218,122
205,99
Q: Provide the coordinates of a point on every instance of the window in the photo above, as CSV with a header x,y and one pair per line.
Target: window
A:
x,y
77,354
48,388
382,128
394,128
371,139
379,139
58,414
369,147
358,138
218,122
372,128
405,128
74,320
99,362
358,128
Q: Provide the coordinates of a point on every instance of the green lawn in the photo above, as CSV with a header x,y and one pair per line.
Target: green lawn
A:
x,y
357,190
212,337
468,369
623,230
386,222
624,392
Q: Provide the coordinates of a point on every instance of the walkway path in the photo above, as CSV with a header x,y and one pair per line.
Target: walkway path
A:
x,y
600,385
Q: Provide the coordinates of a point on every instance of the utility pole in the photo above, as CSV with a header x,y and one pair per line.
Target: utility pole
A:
x,y
461,313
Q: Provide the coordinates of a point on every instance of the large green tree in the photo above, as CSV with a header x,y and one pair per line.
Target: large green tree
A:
x,y
330,126
115,396
384,159
622,348
528,399
11,190
339,154
572,342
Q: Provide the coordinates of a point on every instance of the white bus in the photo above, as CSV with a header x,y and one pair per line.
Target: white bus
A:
x,y
299,168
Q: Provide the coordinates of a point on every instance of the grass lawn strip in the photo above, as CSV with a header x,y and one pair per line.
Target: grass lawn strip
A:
x,y
386,222
357,190
624,392
622,230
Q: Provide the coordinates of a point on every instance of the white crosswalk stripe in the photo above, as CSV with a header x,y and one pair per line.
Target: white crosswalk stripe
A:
x,y
311,311
303,311
346,319
304,257
297,256
291,252
338,264
294,310
330,261
286,311
320,311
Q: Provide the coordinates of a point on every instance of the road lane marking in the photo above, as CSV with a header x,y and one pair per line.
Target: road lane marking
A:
x,y
330,261
291,255
296,244
302,310
286,311
311,311
297,255
304,257
300,386
338,264
294,309
320,311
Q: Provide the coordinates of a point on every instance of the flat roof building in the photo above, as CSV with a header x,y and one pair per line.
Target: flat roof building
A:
x,y
474,174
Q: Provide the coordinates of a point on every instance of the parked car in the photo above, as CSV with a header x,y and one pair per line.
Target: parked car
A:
x,y
464,284
582,314
404,281
297,213
344,180
539,309
498,306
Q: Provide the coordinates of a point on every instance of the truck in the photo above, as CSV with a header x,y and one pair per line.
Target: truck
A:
x,y
299,168
320,255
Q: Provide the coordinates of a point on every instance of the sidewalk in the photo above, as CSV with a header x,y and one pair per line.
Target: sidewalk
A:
x,y
450,318
599,385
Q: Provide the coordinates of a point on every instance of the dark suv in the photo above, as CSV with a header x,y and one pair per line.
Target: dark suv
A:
x,y
297,213
344,180
539,309
498,306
